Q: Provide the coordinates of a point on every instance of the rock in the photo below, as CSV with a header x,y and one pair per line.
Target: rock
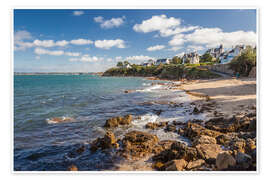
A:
x,y
108,141
252,125
72,168
208,152
138,144
193,130
80,150
116,121
195,164
177,150
224,160
196,110
158,112
158,166
238,145
175,165
250,146
170,128
153,126
244,161
203,139
181,132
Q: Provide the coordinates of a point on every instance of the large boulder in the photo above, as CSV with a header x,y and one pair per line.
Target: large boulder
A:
x,y
224,161
152,125
176,165
208,152
195,164
108,141
116,121
138,144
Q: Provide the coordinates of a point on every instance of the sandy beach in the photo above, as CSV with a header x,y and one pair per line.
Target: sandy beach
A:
x,y
231,95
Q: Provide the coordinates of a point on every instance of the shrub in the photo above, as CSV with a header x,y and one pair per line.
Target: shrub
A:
x,y
244,62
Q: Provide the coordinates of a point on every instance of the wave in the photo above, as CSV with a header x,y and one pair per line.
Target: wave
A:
x,y
144,119
149,89
63,119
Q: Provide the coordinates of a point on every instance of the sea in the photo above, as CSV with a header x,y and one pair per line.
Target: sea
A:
x,y
82,104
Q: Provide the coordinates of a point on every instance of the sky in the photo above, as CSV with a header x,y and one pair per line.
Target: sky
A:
x,y
81,40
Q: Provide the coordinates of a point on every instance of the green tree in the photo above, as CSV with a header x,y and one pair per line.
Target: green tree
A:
x,y
119,64
206,57
244,62
176,60
126,63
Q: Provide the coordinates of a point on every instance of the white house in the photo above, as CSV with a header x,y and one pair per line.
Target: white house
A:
x,y
127,66
216,52
192,57
162,61
229,55
150,62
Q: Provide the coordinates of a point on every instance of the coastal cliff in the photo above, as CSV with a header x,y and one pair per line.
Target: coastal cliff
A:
x,y
171,72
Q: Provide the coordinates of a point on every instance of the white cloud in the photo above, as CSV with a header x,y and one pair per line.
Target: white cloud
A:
x,y
41,51
177,40
138,59
213,37
49,43
78,13
87,58
177,30
114,22
156,23
98,19
22,35
81,41
155,48
195,48
107,44
72,54
175,48
61,43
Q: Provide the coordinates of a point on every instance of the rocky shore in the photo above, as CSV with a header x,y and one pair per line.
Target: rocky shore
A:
x,y
223,142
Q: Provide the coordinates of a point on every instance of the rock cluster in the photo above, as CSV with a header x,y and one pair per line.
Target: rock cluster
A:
x,y
117,121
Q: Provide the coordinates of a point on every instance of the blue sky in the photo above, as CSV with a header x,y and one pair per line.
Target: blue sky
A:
x,y
94,40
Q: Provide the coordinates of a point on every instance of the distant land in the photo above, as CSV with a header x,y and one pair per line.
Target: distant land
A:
x,y
58,73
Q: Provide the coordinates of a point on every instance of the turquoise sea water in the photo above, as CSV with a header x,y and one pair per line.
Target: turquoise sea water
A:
x,y
89,101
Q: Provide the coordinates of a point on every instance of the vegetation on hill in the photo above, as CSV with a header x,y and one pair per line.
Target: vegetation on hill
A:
x,y
172,71
244,62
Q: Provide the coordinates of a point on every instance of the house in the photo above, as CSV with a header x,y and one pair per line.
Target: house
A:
x,y
226,57
216,52
162,61
127,66
192,58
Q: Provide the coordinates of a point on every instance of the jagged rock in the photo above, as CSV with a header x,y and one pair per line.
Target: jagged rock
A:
x,y
234,124
252,125
170,128
208,152
158,166
224,160
250,146
162,145
196,110
116,121
181,132
158,112
108,141
153,126
195,164
72,168
138,144
203,140
193,130
80,150
238,145
177,150
175,165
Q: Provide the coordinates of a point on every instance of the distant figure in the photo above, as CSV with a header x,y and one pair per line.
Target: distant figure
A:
x,y
237,75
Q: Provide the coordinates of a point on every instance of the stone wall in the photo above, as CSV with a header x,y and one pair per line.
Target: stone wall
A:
x,y
223,68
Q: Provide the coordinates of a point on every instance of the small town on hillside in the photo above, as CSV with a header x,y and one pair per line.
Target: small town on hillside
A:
x,y
217,55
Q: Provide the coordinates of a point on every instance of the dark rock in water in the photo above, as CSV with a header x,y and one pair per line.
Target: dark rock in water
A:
x,y
208,152
80,150
72,168
153,126
138,144
181,132
203,140
108,141
116,121
252,125
197,121
193,130
128,91
158,112
196,110
224,161
195,164
175,165
170,128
